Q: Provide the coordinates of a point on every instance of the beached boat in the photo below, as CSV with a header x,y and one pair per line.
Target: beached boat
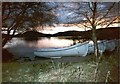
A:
x,y
117,43
101,46
80,49
90,47
110,45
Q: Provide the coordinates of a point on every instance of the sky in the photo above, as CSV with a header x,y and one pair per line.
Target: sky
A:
x,y
60,29
67,12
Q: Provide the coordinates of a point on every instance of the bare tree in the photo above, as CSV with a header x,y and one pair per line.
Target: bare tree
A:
x,y
90,15
97,14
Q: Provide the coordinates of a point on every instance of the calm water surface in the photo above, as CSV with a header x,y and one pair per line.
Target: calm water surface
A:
x,y
40,43
19,47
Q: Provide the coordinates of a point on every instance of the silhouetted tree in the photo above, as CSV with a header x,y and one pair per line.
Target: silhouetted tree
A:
x,y
99,18
19,16
91,15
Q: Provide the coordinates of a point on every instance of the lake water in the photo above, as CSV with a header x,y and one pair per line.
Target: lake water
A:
x,y
40,42
20,47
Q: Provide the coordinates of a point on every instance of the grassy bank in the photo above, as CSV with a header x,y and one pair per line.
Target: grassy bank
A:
x,y
56,71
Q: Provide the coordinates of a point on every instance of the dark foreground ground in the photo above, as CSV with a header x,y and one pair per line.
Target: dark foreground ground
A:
x,y
66,69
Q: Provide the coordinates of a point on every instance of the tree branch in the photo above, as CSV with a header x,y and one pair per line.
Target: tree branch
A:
x,y
84,25
111,21
94,4
106,13
3,17
17,20
86,16
108,21
90,6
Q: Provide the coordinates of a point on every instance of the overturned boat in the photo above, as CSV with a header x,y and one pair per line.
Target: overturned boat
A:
x,y
80,49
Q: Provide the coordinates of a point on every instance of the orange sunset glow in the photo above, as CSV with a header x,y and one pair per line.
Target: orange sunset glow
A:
x,y
71,27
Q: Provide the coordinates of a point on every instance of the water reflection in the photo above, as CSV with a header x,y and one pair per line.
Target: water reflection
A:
x,y
31,39
40,42
20,47
51,42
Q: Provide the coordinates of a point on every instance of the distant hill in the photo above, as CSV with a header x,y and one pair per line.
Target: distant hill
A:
x,y
32,34
103,33
108,33
68,33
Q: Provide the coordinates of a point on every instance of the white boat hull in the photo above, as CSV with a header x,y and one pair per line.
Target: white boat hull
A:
x,y
110,45
75,50
101,47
